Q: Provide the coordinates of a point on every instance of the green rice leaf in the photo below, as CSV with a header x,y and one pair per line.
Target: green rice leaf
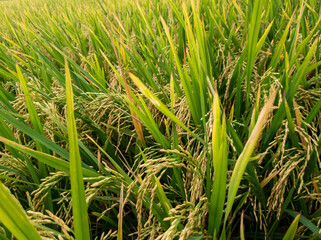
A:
x,y
280,113
277,52
290,233
252,43
51,161
306,222
79,206
13,216
34,118
220,152
161,106
246,154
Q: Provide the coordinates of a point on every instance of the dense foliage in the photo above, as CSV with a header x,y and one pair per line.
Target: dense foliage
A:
x,y
160,119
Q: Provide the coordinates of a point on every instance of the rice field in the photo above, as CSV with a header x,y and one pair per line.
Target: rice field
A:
x,y
160,119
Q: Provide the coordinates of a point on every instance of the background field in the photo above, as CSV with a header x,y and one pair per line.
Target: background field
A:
x,y
160,119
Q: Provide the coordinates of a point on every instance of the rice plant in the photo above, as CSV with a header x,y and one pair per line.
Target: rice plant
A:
x,y
160,119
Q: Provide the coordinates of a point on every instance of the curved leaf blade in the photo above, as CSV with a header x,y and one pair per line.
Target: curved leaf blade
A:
x,y
79,206
14,218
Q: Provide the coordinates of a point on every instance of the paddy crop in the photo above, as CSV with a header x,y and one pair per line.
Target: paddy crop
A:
x,y
160,119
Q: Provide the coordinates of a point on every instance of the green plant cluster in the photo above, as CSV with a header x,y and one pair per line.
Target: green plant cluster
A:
x,y
160,119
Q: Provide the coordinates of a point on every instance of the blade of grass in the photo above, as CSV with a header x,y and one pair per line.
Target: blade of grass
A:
x,y
306,222
290,233
137,124
34,118
6,132
161,106
277,52
280,113
220,152
255,112
187,86
120,214
294,138
10,118
13,216
312,114
242,227
252,43
244,158
51,161
79,206
260,43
